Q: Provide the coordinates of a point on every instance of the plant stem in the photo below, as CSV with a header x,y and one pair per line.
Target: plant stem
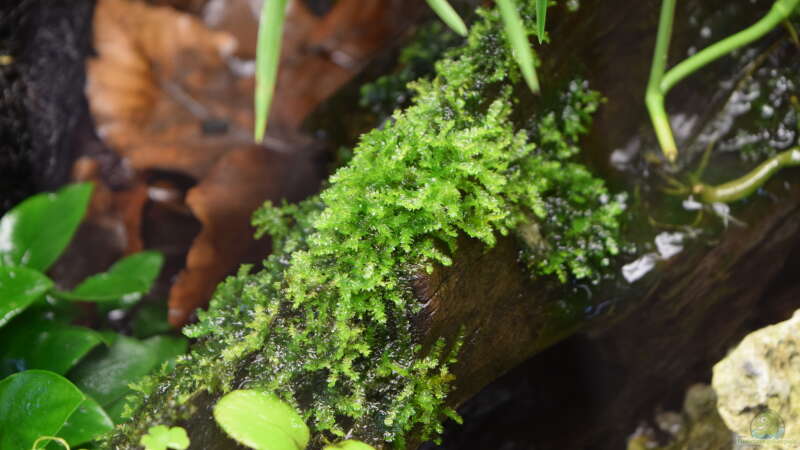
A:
x,y
778,13
654,98
746,185
660,82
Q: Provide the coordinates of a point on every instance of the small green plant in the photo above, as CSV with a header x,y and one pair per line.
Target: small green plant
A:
x,y
262,421
162,437
56,389
273,15
662,81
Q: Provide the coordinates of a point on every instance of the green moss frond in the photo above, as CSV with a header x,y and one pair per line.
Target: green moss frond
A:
x,y
326,324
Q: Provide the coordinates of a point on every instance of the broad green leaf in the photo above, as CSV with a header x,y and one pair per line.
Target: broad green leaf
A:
x,y
19,287
106,373
150,319
34,403
261,421
448,15
518,38
133,275
35,342
270,32
36,232
349,444
86,423
161,438
541,18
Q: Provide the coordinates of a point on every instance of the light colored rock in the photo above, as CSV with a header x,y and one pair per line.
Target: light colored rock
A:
x,y
762,373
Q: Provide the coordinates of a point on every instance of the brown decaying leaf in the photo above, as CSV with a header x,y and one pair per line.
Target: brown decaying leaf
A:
x,y
167,96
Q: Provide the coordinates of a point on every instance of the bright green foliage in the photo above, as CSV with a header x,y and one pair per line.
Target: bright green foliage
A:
x,y
327,324
130,276
448,15
35,232
86,423
270,36
32,404
34,341
161,437
105,375
261,421
19,288
349,444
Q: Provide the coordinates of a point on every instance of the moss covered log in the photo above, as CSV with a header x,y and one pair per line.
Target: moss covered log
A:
x,y
343,321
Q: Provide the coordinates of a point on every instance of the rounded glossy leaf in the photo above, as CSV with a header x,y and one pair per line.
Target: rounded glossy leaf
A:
x,y
261,420
89,421
350,444
32,404
162,438
33,342
36,232
106,373
19,287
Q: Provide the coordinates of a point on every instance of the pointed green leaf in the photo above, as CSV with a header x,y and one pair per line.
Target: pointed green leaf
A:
x,y
268,51
36,232
86,423
261,421
541,18
161,438
448,15
32,404
518,38
133,275
19,287
34,342
106,373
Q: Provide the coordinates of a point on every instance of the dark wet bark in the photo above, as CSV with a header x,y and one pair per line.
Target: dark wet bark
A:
x,y
44,44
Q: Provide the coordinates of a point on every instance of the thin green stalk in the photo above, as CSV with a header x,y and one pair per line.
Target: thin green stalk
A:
x,y
780,10
270,33
448,15
660,82
518,38
746,185
654,98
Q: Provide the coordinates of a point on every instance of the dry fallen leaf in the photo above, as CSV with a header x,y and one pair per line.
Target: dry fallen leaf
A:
x,y
172,95
224,202
160,80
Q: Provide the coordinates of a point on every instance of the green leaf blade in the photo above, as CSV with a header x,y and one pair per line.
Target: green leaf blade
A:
x,y
261,420
19,288
38,343
106,375
448,15
133,275
541,18
88,422
36,232
34,403
270,34
518,38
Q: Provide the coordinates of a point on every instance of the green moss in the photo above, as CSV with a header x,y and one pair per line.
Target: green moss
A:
x,y
327,323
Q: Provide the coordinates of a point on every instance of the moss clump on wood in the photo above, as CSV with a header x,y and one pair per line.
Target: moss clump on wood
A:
x,y
327,323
